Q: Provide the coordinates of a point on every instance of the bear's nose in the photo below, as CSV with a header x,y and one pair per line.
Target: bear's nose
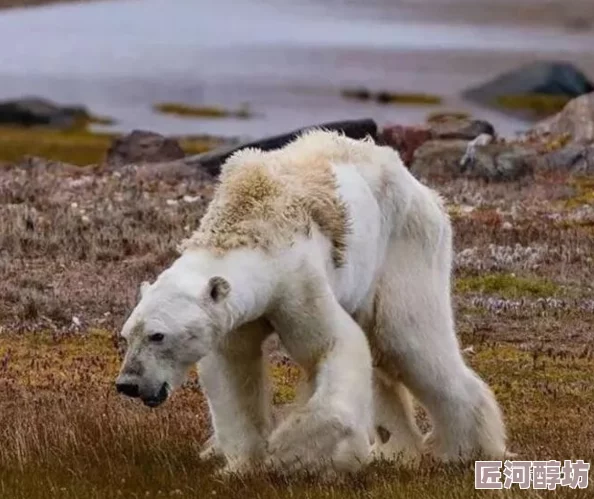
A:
x,y
128,389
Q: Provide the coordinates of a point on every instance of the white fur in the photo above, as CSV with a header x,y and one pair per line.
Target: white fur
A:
x,y
395,286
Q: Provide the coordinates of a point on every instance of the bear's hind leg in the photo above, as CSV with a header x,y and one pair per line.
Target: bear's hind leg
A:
x,y
415,334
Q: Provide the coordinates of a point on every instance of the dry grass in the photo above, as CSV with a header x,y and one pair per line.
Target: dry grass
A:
x,y
76,243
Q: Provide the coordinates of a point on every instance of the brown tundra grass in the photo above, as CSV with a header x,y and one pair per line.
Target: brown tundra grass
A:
x,y
75,243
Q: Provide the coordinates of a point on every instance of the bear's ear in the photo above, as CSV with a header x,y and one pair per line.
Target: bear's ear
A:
x,y
144,287
218,288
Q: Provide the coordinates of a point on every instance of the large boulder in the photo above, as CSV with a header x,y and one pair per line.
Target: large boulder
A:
x,y
141,146
577,159
576,120
439,159
407,139
30,111
540,87
212,161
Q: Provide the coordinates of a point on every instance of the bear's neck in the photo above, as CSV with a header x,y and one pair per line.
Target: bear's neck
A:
x,y
252,282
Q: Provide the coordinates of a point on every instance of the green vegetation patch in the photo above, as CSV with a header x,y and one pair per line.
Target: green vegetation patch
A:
x,y
584,191
540,104
76,146
187,111
285,378
506,286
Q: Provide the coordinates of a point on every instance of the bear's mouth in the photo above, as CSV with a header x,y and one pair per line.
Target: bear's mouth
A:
x,y
159,398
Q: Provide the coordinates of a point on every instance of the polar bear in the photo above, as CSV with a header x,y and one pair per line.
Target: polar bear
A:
x,y
333,244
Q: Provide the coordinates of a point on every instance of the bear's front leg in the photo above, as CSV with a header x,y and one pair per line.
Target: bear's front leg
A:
x,y
335,426
233,378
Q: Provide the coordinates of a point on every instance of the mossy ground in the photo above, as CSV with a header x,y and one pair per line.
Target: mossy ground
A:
x,y
584,187
77,146
539,105
507,286
76,245
187,111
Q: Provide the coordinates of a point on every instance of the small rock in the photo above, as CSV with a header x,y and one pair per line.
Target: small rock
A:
x,y
191,199
143,147
507,226
438,158
463,129
171,202
405,139
359,93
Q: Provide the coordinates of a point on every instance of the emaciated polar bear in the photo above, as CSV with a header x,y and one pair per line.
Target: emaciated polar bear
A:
x,y
333,244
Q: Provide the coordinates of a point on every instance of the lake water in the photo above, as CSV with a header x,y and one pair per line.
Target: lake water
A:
x,y
287,58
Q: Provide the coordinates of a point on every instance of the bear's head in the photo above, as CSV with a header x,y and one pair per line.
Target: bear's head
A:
x,y
175,324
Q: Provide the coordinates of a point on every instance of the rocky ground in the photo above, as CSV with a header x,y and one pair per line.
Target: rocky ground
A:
x,y
76,241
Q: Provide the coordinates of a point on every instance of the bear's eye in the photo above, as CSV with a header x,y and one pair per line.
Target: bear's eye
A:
x,y
157,337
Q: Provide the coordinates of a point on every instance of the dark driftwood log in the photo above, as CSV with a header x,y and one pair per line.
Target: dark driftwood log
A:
x,y
212,161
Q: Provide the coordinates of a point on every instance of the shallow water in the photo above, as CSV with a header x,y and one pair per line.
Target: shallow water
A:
x,y
287,59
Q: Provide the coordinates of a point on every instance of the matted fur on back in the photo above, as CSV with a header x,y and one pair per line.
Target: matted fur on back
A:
x,y
264,199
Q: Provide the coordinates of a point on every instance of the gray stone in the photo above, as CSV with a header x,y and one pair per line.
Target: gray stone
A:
x,y
30,111
573,158
407,139
549,78
143,147
545,77
463,129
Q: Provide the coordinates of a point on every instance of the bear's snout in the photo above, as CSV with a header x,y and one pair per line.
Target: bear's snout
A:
x,y
128,389
158,398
